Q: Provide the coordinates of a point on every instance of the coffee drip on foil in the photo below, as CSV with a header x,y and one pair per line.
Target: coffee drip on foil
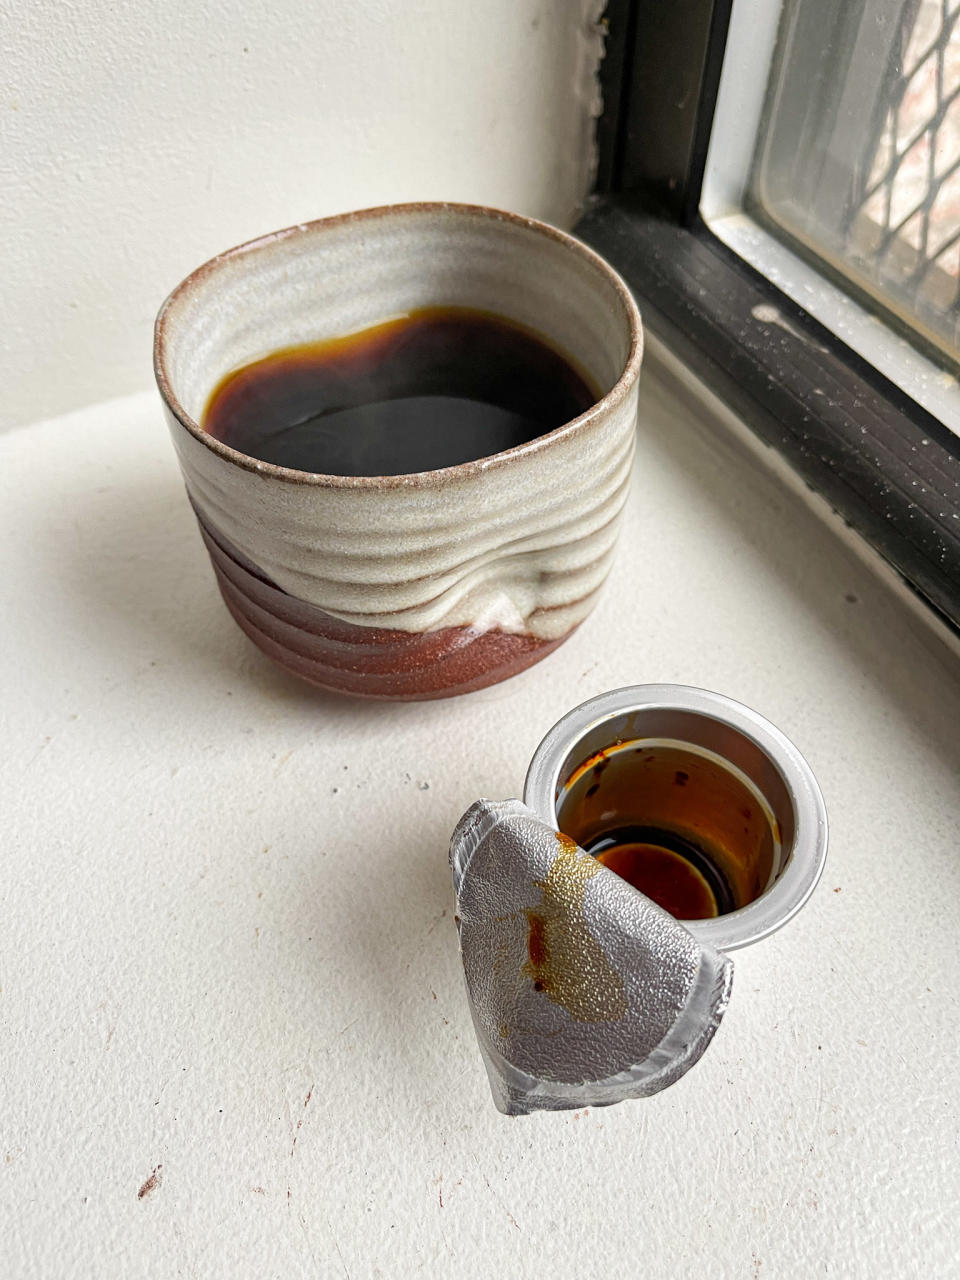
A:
x,y
583,991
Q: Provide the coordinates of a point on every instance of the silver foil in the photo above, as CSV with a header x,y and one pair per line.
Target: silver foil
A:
x,y
583,991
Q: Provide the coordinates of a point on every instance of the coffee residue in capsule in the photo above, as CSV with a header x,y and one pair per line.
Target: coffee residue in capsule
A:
x,y
437,387
676,824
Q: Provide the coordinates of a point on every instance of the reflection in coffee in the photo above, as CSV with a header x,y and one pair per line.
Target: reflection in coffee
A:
x,y
440,386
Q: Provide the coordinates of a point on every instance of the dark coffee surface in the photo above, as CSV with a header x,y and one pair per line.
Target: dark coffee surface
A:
x,y
436,388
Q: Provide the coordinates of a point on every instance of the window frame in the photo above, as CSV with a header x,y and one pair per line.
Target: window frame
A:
x,y
889,467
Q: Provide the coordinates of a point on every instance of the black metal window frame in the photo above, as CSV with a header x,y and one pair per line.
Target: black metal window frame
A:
x,y
886,465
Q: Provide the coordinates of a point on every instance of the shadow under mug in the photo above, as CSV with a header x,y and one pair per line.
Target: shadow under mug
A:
x,y
434,583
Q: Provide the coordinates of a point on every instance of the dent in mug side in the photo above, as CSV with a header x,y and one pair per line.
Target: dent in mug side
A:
x,y
556,585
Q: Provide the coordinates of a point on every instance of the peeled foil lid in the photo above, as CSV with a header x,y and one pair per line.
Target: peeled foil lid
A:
x,y
583,991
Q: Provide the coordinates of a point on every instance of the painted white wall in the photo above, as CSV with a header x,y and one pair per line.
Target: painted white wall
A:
x,y
138,139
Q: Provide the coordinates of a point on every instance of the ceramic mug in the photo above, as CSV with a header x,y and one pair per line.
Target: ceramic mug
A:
x,y
406,586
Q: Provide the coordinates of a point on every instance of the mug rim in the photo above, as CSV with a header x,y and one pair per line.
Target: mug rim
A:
x,y
615,396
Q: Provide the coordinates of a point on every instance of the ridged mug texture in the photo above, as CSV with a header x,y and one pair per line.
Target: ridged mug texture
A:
x,y
428,584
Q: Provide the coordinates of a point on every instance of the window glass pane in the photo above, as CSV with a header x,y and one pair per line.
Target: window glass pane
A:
x,y
859,156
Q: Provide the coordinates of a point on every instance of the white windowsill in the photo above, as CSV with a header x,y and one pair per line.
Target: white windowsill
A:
x,y
226,893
